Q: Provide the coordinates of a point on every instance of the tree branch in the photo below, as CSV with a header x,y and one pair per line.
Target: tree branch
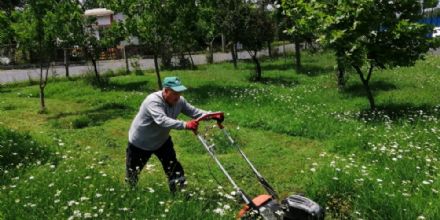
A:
x,y
359,71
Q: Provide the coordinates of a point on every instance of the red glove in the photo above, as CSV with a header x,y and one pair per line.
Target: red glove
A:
x,y
219,117
192,125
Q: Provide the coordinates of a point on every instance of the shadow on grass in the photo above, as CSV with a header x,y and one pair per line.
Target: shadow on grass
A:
x,y
358,90
314,70
4,90
399,111
140,86
93,117
305,69
278,81
231,94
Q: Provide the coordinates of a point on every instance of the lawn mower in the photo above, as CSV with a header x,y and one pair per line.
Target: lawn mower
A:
x,y
266,206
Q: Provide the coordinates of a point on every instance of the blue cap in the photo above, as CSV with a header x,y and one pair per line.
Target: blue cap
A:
x,y
173,83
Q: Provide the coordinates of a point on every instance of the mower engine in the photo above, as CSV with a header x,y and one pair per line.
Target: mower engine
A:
x,y
299,207
294,207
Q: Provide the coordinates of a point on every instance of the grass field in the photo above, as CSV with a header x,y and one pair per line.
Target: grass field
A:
x,y
301,133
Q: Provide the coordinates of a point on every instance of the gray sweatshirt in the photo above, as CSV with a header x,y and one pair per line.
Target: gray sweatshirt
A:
x,y
152,124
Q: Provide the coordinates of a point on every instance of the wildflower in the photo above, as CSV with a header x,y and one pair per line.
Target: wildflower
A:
x,y
71,202
219,211
98,195
421,217
313,169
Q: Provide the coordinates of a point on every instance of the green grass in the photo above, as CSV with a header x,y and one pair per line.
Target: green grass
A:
x,y
301,133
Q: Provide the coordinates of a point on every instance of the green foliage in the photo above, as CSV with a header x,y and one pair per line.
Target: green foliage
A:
x,y
64,25
6,34
368,34
303,18
430,3
257,28
25,29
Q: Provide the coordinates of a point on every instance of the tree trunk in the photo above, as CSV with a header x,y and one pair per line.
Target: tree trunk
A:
x,y
156,68
191,59
269,48
341,75
297,54
341,71
42,103
210,57
127,67
66,63
95,68
43,83
257,66
366,82
234,58
284,53
223,42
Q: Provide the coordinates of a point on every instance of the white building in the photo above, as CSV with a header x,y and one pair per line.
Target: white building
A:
x,y
104,18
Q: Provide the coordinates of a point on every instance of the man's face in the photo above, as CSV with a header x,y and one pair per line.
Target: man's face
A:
x,y
170,96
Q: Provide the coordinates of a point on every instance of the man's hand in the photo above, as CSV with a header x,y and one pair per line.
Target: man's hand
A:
x,y
219,117
192,125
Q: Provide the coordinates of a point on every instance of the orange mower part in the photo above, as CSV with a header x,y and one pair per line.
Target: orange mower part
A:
x,y
258,201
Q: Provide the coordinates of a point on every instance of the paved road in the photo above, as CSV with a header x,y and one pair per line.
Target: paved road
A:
x,y
17,75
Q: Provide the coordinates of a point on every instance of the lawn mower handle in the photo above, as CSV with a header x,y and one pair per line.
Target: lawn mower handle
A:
x,y
212,116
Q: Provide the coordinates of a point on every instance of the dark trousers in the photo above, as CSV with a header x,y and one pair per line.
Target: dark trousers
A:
x,y
137,158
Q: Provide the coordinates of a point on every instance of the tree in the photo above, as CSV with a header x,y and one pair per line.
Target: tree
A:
x,y
208,25
8,5
118,30
6,33
150,21
32,34
65,25
369,34
430,3
184,29
303,20
232,22
256,31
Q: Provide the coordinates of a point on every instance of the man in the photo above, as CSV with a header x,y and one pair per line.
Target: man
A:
x,y
150,132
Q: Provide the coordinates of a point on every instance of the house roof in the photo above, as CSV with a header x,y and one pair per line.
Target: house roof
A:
x,y
98,12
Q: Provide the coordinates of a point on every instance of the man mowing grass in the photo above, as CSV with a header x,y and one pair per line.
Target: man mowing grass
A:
x,y
150,132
